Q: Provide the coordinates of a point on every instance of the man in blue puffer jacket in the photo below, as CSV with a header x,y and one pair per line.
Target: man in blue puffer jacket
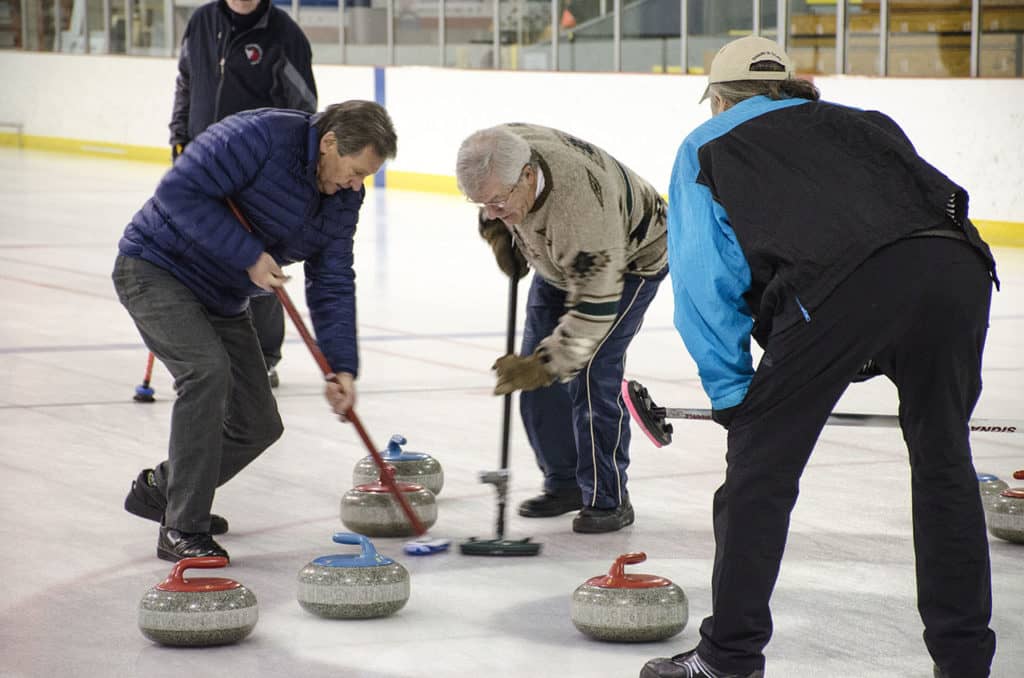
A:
x,y
187,269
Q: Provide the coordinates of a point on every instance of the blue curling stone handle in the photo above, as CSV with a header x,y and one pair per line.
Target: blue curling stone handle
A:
x,y
395,452
367,557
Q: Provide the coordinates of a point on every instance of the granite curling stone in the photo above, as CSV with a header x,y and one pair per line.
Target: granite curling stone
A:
x,y
199,611
410,467
372,510
358,586
990,486
1005,515
629,607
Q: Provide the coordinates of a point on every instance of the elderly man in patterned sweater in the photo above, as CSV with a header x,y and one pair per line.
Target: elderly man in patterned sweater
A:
x,y
594,233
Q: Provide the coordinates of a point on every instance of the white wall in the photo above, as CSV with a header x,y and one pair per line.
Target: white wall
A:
x,y
971,129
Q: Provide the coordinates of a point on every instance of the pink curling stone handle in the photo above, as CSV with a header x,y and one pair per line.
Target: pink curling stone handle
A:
x,y
176,579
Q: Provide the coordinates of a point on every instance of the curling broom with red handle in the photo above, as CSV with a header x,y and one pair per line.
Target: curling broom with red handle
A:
x,y
387,476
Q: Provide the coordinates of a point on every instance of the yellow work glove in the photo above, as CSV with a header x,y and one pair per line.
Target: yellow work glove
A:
x,y
518,373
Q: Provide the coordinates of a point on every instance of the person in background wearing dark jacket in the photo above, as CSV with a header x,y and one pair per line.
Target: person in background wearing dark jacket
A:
x,y
818,230
237,55
187,269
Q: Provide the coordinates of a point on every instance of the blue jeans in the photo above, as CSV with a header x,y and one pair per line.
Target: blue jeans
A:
x,y
225,414
579,430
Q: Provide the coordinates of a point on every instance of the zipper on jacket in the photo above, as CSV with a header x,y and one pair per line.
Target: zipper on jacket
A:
x,y
807,316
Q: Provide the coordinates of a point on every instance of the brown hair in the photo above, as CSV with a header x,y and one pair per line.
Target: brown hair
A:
x,y
358,124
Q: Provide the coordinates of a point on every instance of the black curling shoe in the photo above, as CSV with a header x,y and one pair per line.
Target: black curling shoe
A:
x,y
593,520
173,545
552,504
146,501
688,665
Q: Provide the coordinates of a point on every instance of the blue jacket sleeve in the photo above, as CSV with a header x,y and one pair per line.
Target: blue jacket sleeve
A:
x,y
331,298
709,277
216,165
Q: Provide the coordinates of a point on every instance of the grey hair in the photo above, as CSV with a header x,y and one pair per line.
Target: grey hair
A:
x,y
731,93
357,124
493,151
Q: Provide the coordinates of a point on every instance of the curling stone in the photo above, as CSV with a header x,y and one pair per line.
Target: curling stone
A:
x,y
410,467
629,607
371,509
195,612
357,586
990,487
1005,515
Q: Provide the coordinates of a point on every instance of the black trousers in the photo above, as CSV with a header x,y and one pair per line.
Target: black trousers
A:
x,y
919,308
268,318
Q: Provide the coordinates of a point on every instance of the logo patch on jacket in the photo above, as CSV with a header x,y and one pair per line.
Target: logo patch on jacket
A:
x,y
254,53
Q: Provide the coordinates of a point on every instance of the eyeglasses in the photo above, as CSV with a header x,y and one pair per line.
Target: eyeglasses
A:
x,y
499,205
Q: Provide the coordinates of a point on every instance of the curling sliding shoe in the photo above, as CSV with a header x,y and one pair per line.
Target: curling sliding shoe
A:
x,y
594,520
552,503
145,500
175,545
689,665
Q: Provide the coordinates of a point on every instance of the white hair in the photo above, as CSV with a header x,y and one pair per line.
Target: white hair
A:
x,y
495,151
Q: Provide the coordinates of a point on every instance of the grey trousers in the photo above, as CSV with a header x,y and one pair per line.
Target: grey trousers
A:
x,y
224,415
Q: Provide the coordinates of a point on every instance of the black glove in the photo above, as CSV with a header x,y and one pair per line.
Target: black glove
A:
x,y
867,371
724,417
176,150
510,260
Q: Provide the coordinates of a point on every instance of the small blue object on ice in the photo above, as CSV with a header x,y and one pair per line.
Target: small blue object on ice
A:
x,y
143,394
427,546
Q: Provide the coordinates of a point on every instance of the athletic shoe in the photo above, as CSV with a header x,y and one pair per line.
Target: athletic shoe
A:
x,y
689,665
146,501
275,381
592,520
173,545
552,504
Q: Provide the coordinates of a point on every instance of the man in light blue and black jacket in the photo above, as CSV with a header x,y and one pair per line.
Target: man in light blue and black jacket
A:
x,y
819,231
186,271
